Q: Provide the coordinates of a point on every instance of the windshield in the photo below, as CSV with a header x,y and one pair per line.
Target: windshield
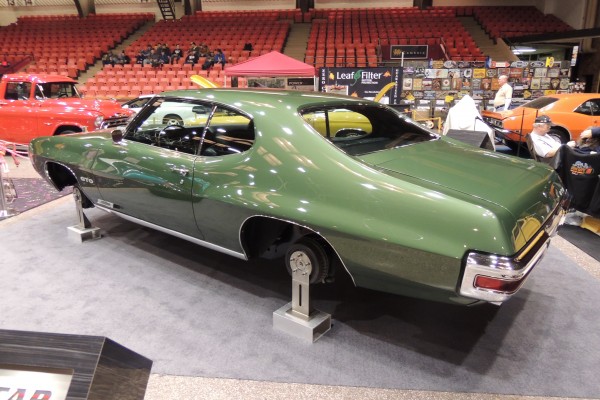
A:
x,y
55,90
540,102
361,129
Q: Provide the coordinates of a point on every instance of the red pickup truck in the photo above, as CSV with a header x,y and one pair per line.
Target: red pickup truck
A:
x,y
46,105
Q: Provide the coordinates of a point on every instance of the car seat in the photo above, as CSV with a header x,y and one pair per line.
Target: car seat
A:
x,y
580,173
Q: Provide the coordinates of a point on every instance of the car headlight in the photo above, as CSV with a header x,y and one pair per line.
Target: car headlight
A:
x,y
98,121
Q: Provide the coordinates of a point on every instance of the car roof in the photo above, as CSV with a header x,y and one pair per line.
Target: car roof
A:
x,y
256,98
568,101
37,78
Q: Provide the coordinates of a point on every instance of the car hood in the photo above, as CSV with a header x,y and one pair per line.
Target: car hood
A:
x,y
450,167
106,107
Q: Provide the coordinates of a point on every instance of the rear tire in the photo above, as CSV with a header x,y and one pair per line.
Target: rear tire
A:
x,y
308,253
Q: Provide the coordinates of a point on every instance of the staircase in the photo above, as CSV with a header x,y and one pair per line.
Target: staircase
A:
x,y
496,51
297,41
167,8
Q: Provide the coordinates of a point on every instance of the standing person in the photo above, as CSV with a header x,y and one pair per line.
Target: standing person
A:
x,y
545,146
503,95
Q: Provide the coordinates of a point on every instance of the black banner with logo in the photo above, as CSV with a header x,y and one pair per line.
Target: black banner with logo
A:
x,y
408,52
362,82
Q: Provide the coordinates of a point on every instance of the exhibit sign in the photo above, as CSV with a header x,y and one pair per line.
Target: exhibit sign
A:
x,y
408,52
362,82
29,383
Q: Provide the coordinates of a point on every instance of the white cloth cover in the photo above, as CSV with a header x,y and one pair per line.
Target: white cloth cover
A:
x,y
465,116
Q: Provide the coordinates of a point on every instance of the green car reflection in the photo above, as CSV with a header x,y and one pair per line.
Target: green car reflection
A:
x,y
353,185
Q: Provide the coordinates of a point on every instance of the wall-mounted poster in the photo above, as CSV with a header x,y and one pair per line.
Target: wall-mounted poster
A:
x,y
454,73
417,84
466,83
553,72
479,73
456,83
545,83
446,82
486,83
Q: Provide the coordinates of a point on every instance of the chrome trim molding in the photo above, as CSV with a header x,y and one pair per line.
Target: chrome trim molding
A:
x,y
511,269
194,240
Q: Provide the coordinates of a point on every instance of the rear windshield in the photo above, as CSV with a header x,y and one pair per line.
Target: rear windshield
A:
x,y
540,102
362,129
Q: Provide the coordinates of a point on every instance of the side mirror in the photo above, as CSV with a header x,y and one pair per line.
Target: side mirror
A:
x,y
117,135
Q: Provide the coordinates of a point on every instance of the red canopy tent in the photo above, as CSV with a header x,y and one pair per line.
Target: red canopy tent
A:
x,y
271,64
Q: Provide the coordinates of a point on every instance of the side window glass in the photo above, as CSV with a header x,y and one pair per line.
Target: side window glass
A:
x,y
358,130
338,123
171,124
228,132
17,90
595,106
590,107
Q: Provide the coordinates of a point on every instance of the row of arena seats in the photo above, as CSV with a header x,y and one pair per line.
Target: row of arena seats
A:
x,y
107,84
68,44
413,26
506,22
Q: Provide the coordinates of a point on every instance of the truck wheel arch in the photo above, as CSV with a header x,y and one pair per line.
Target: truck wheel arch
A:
x,y
64,129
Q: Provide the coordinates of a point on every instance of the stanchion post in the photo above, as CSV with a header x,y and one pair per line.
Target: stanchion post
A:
x,y
298,318
5,210
83,231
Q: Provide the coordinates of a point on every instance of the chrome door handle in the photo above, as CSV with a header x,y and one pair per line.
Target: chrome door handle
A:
x,y
182,171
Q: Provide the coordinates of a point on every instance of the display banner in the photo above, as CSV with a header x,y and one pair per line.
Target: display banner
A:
x,y
27,383
362,82
408,52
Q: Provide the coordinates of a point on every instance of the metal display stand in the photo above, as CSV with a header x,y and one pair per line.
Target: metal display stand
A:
x,y
83,231
298,318
5,209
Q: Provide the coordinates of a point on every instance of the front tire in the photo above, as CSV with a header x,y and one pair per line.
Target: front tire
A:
x,y
308,253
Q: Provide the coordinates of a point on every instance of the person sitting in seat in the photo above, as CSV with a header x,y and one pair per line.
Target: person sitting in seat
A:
x,y
545,146
589,140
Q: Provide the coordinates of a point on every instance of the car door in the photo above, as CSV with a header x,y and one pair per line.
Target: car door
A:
x,y
18,113
223,177
149,174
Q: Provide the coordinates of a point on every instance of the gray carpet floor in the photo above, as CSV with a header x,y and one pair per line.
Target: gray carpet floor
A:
x,y
195,312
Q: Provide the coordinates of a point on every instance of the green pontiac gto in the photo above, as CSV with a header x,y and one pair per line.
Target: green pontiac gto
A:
x,y
341,184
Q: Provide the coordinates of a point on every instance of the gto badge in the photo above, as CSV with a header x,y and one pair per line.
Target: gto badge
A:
x,y
87,180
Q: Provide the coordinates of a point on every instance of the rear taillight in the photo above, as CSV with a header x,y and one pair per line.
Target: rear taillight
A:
x,y
499,285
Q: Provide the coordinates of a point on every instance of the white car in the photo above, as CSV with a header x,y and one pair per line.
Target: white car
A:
x,y
169,113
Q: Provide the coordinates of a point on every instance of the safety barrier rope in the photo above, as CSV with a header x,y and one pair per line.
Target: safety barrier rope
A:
x,y
14,149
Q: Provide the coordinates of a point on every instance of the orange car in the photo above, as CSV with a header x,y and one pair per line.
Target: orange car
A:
x,y
571,113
